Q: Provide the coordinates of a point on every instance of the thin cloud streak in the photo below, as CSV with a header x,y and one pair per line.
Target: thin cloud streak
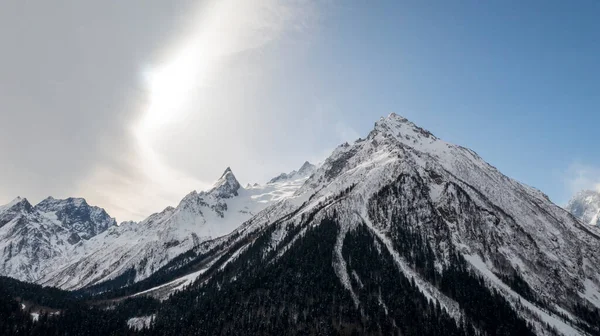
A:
x,y
581,176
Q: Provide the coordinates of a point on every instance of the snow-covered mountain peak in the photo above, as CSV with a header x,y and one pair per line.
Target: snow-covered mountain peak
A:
x,y
33,239
76,215
401,128
18,202
13,202
11,210
226,186
585,205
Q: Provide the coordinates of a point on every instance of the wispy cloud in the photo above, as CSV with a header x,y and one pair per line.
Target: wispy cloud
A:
x,y
580,176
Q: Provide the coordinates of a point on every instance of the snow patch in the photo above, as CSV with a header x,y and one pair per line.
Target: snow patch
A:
x,y
592,294
141,322
339,264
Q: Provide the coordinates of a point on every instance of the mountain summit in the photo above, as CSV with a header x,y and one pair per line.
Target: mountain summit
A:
x,y
391,223
226,186
307,169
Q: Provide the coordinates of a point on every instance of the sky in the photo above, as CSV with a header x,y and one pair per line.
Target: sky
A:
x,y
133,104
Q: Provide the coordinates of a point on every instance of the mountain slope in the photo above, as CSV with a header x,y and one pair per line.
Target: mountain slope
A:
x,y
586,206
400,206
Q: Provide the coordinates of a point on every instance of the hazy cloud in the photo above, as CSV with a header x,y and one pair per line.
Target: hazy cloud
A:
x,y
580,176
78,79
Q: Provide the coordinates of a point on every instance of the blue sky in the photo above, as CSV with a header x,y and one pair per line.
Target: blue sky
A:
x,y
518,83
140,102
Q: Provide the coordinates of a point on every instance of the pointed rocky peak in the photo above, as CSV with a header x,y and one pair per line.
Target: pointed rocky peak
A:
x,y
227,185
18,206
307,169
227,171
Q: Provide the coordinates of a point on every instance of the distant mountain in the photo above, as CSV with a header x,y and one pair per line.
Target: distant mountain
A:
x,y
35,239
306,170
134,251
75,214
586,207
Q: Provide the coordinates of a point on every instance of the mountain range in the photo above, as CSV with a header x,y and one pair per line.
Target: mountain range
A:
x,y
397,233
70,244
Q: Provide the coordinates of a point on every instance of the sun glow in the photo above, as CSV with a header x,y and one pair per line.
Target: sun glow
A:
x,y
222,28
169,87
180,91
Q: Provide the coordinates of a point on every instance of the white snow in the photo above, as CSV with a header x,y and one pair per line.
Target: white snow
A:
x,y
592,294
340,266
164,290
141,322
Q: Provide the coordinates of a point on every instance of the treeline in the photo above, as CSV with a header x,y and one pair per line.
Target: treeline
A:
x,y
60,313
300,293
405,208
